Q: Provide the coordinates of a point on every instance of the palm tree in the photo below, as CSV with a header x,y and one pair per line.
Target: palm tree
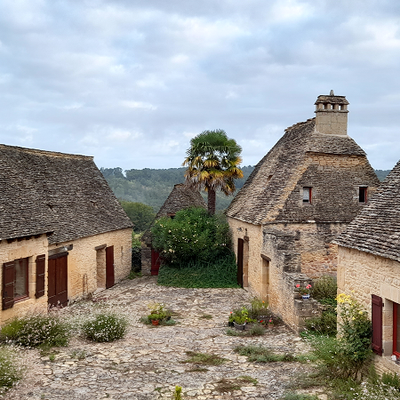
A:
x,y
212,162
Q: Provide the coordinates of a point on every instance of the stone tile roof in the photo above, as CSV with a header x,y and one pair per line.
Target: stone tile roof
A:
x,y
266,195
182,196
65,194
376,229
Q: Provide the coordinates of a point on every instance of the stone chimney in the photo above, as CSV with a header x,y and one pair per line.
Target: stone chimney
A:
x,y
331,114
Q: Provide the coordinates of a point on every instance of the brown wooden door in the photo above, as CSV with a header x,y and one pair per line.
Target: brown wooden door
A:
x,y
155,262
240,262
109,266
377,324
57,291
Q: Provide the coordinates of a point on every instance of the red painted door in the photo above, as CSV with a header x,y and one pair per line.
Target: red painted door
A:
x,y
155,262
57,291
109,266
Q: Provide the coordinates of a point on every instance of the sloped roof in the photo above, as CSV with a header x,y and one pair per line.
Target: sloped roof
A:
x,y
376,229
261,198
66,194
182,196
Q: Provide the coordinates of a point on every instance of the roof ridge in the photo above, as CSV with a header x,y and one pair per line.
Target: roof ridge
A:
x,y
299,124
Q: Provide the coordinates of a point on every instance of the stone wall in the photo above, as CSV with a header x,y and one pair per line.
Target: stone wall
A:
x,y
23,249
85,262
363,274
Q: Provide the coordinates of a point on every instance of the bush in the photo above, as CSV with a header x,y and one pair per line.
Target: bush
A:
x,y
105,327
9,372
36,330
220,273
325,288
193,235
326,324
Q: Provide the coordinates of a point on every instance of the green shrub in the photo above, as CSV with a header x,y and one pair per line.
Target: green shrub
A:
x,y
191,236
105,327
218,273
325,288
326,324
392,380
258,308
262,354
257,330
36,330
9,371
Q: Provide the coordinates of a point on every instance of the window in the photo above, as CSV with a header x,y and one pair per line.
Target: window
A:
x,y
362,194
15,281
307,195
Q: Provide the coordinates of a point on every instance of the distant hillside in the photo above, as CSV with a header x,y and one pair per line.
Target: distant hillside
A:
x,y
152,186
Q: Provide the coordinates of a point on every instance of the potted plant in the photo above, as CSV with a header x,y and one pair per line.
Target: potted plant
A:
x,y
304,290
158,313
239,318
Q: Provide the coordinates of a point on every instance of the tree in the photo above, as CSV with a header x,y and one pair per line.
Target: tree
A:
x,y
212,162
140,214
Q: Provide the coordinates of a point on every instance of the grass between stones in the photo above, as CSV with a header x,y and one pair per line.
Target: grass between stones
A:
x,y
204,359
263,354
229,385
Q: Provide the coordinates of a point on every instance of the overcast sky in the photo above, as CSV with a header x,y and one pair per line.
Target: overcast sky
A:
x,y
131,82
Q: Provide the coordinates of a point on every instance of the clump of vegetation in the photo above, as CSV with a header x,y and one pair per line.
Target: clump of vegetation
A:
x,y
105,327
258,308
325,324
10,373
229,385
263,354
204,359
299,396
159,313
44,330
241,316
178,393
140,214
325,288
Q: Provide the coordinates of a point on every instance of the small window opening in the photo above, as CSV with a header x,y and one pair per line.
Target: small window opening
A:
x,y
362,194
307,195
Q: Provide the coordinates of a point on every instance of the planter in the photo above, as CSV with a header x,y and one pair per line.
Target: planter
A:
x,y
270,326
155,322
305,296
239,327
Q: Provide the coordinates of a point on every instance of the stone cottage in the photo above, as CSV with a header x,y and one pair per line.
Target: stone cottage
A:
x,y
303,193
182,196
63,234
369,265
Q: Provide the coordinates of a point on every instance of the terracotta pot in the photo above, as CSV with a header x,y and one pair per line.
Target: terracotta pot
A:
x,y
155,322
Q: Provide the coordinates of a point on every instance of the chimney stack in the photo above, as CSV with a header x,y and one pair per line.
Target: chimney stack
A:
x,y
331,114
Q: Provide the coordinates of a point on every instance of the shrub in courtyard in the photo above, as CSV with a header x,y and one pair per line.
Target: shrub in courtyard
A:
x,y
325,288
326,324
192,235
105,327
9,371
36,330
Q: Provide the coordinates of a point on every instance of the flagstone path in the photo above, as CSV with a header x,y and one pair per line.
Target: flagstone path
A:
x,y
147,363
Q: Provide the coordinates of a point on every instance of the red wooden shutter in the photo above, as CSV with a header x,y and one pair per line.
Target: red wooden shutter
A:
x,y
8,285
377,324
40,275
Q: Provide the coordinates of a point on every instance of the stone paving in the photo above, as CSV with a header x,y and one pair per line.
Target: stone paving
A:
x,y
147,363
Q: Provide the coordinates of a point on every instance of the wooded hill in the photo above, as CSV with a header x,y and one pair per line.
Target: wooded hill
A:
x,y
152,186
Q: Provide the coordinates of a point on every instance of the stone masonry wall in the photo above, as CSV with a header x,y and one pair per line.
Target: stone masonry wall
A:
x,y
22,249
363,274
82,261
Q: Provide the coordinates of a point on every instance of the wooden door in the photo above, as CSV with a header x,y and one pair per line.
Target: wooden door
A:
x,y
109,266
240,262
155,262
57,292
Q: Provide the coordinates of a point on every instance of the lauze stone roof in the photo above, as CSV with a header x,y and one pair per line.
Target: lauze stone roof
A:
x,y
272,192
43,192
376,229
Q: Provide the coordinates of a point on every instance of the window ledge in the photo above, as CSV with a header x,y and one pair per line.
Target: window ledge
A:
x,y
20,299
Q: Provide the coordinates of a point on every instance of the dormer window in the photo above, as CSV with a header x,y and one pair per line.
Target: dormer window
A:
x,y
307,194
362,194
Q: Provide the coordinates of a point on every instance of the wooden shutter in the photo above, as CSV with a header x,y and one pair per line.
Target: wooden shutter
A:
x,y
377,324
240,262
8,285
40,275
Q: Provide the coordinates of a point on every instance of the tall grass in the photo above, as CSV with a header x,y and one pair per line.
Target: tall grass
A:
x,y
10,373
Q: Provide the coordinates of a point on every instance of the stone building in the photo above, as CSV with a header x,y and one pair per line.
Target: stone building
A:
x,y
182,196
304,192
63,234
369,265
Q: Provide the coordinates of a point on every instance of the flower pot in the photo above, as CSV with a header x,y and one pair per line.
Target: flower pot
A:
x,y
155,322
270,326
305,296
239,327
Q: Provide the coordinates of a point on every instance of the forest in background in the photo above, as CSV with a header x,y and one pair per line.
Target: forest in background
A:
x,y
152,186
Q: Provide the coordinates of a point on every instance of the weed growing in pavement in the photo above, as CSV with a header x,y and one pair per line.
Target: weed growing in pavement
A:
x,y
229,385
10,372
105,327
263,354
203,358
299,396
36,330
178,393
206,316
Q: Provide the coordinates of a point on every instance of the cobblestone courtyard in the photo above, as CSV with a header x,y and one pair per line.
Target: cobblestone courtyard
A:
x,y
147,363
